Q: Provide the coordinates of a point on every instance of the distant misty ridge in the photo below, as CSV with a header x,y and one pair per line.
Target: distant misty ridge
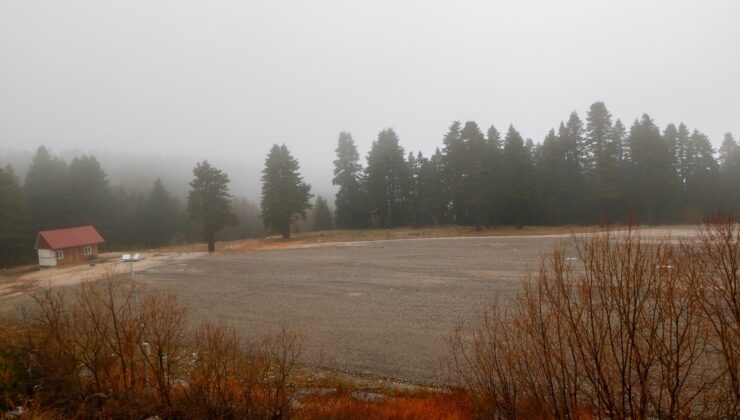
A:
x,y
137,171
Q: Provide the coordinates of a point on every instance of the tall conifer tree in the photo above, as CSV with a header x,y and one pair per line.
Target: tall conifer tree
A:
x,y
604,160
322,214
349,203
16,234
209,201
652,179
285,197
517,177
90,199
160,216
46,189
387,179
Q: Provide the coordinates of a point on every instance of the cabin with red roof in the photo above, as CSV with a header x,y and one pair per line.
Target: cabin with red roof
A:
x,y
68,246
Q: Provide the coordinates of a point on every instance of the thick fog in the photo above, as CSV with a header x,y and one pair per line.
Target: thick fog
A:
x,y
224,80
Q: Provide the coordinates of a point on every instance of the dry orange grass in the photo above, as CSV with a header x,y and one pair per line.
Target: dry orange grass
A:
x,y
431,406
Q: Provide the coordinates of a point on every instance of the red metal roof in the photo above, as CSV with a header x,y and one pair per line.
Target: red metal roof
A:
x,y
68,238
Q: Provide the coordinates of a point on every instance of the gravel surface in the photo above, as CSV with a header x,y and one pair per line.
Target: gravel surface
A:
x,y
370,308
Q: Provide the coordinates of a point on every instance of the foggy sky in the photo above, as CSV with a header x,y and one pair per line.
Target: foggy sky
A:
x,y
225,80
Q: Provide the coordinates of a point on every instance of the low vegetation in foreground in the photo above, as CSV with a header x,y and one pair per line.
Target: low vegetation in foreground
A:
x,y
103,351
627,327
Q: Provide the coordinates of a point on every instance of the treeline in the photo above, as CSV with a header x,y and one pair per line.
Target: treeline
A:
x,y
585,172
56,195
589,172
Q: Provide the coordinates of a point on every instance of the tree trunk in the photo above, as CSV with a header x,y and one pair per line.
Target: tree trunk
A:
x,y
286,232
211,239
518,220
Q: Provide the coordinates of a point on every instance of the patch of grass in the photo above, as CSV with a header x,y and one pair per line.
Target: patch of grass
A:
x,y
361,235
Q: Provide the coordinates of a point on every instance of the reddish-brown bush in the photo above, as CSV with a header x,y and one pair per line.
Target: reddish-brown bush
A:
x,y
637,328
429,406
98,351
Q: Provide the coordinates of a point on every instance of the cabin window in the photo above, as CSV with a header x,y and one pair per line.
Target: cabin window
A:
x,y
59,254
88,250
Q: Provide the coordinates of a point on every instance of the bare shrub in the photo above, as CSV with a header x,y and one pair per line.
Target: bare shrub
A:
x,y
274,366
234,379
623,333
100,351
715,284
14,378
212,389
164,347
484,360
89,350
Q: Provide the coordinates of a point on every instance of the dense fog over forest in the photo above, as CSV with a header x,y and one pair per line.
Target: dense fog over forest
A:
x,y
137,171
226,81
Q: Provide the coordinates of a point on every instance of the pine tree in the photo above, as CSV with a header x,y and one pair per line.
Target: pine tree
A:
x,y
413,208
285,197
617,137
680,153
454,170
670,136
574,142
729,159
387,179
350,208
89,196
517,176
604,159
209,201
469,169
16,234
46,190
550,180
575,189
322,214
431,189
476,173
127,219
728,153
703,178
599,125
616,147
493,199
160,215
652,179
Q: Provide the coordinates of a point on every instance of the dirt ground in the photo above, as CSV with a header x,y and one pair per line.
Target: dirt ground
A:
x,y
378,308
373,308
25,280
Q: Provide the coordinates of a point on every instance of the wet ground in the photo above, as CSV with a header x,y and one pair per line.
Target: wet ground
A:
x,y
373,308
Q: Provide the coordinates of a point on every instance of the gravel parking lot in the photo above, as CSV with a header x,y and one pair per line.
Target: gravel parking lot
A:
x,y
379,308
